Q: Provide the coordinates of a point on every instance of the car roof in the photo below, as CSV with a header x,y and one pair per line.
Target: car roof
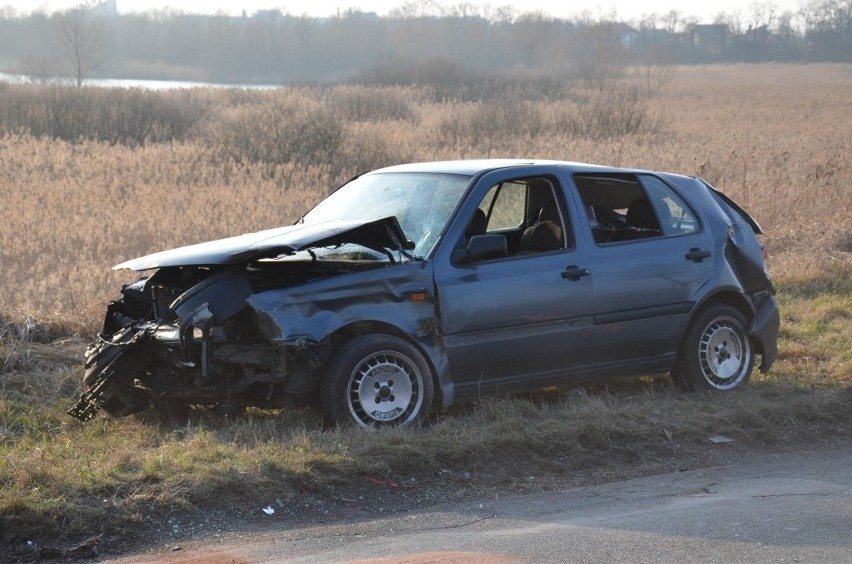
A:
x,y
475,166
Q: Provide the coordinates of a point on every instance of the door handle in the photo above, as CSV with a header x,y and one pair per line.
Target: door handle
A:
x,y
697,255
574,272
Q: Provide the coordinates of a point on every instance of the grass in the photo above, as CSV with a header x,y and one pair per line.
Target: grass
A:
x,y
60,479
72,209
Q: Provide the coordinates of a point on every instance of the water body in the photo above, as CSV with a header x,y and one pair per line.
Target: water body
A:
x,y
142,84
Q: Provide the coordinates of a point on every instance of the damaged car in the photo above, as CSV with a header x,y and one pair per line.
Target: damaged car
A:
x,y
419,286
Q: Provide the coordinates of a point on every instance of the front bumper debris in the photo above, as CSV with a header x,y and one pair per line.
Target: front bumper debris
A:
x,y
110,372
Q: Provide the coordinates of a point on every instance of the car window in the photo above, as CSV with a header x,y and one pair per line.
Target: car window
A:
x,y
527,212
504,206
421,202
674,216
617,207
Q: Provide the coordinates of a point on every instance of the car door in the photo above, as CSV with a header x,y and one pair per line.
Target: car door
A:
x,y
522,318
645,285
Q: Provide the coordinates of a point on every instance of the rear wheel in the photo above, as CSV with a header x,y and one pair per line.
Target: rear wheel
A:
x,y
376,381
716,352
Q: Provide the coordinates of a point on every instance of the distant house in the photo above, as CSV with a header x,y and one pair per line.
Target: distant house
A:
x,y
626,34
760,35
709,39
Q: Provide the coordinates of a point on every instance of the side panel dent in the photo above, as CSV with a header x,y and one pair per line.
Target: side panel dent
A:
x,y
402,296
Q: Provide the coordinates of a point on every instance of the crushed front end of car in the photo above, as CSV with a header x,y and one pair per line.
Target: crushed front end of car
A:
x,y
186,335
170,336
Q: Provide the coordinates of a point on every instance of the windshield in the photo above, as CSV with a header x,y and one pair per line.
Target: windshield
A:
x,y
421,202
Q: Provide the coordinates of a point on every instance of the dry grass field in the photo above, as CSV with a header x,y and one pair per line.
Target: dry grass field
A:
x,y
777,138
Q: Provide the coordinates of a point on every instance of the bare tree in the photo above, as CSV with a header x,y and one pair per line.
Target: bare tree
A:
x,y
505,14
733,19
828,15
600,54
672,21
418,9
465,10
828,29
656,70
762,14
80,38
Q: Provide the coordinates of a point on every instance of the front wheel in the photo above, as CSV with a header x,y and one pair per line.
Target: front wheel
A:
x,y
716,353
376,381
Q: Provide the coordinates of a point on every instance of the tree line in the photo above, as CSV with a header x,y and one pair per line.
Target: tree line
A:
x,y
272,47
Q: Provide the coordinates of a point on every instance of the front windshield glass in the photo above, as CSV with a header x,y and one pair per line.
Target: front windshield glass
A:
x,y
421,202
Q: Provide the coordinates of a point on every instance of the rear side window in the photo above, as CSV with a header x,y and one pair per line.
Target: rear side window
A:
x,y
674,216
617,207
624,207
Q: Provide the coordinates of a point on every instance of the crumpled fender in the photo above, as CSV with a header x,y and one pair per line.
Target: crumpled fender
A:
x,y
743,273
764,330
745,257
401,296
223,294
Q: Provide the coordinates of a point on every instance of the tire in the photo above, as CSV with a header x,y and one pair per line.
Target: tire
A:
x,y
376,381
716,352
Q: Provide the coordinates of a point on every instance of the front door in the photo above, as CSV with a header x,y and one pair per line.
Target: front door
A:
x,y
526,316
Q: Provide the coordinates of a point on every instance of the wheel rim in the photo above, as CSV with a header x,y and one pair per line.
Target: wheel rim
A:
x,y
385,388
724,353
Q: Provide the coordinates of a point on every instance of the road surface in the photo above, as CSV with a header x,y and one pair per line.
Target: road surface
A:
x,y
788,507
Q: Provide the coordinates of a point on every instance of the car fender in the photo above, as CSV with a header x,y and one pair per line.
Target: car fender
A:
x,y
400,296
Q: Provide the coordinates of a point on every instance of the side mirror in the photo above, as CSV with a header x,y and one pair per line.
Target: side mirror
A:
x,y
482,247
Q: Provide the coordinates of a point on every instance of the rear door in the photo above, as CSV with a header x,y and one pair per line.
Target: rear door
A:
x,y
647,267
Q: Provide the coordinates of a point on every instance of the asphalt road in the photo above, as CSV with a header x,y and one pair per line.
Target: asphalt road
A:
x,y
790,507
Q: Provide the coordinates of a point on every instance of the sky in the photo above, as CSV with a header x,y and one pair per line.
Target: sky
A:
x,y
627,10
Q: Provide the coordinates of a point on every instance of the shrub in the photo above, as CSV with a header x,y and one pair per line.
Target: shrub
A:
x,y
491,121
369,146
128,116
285,128
360,103
444,79
612,114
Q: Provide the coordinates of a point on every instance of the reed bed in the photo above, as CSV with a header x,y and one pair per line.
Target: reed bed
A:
x,y
73,208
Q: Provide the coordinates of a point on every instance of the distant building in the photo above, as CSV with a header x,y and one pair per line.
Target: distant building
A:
x,y
627,35
709,39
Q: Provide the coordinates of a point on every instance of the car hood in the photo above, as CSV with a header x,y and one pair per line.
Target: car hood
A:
x,y
378,234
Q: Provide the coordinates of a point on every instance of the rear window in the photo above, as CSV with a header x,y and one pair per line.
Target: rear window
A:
x,y
731,207
674,215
